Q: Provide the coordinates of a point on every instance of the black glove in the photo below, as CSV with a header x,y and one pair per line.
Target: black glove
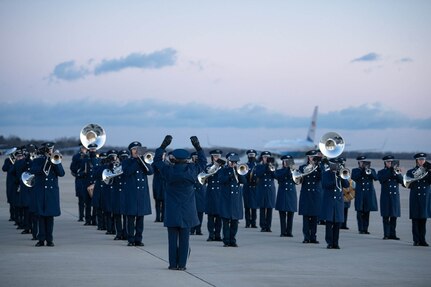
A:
x,y
195,143
166,141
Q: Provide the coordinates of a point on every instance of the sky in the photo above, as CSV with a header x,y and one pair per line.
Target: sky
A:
x,y
234,73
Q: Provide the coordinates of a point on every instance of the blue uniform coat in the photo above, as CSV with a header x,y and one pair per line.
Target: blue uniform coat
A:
x,y
11,184
46,187
212,205
390,192
420,196
137,193
180,204
365,194
265,186
310,198
333,202
287,199
249,188
231,194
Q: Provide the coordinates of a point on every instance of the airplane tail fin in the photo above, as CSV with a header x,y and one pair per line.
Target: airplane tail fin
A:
x,y
312,130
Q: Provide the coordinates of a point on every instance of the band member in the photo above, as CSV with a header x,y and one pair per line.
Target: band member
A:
x,y
231,209
420,197
287,200
349,194
212,205
265,190
89,163
47,192
137,194
333,202
365,200
310,198
118,201
180,203
99,192
11,185
390,178
159,187
107,190
80,190
250,191
200,194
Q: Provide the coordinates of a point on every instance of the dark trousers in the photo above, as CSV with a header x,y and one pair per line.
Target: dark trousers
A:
x,y
26,224
286,222
160,209
214,226
346,213
332,233
265,218
107,216
101,222
363,218
230,229
119,227
178,246
46,228
250,215
309,227
19,216
198,228
419,229
90,213
81,207
34,218
11,212
135,228
389,226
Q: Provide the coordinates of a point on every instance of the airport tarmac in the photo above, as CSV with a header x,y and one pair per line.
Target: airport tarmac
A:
x,y
83,256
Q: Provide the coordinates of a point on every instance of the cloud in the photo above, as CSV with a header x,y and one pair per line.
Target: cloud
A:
x,y
154,113
155,60
370,57
69,71
404,60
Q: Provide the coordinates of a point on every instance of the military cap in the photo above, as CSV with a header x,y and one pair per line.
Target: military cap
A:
x,y
111,152
342,159
335,160
286,157
123,152
388,158
134,144
48,144
181,154
216,151
312,152
194,154
234,157
361,158
92,146
103,155
251,152
265,153
420,155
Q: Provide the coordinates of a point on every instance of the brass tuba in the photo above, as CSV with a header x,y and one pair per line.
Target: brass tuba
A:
x,y
27,178
92,133
331,145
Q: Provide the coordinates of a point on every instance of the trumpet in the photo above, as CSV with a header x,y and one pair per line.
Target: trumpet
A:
x,y
344,172
56,157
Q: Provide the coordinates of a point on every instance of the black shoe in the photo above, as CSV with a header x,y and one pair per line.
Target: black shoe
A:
x,y
253,226
336,247
423,244
415,243
283,235
344,227
130,244
40,243
247,226
306,241
81,220
366,232
199,233
218,238
210,239
314,241
182,269
385,238
225,245
139,244
172,268
33,238
329,246
289,235
50,244
268,230
192,233
394,238
234,245
87,223
117,238
263,230
25,231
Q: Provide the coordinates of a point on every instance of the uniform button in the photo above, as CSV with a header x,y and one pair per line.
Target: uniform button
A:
x,y
231,192
45,186
335,197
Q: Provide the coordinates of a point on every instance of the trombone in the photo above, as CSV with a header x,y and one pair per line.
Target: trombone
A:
x,y
55,158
